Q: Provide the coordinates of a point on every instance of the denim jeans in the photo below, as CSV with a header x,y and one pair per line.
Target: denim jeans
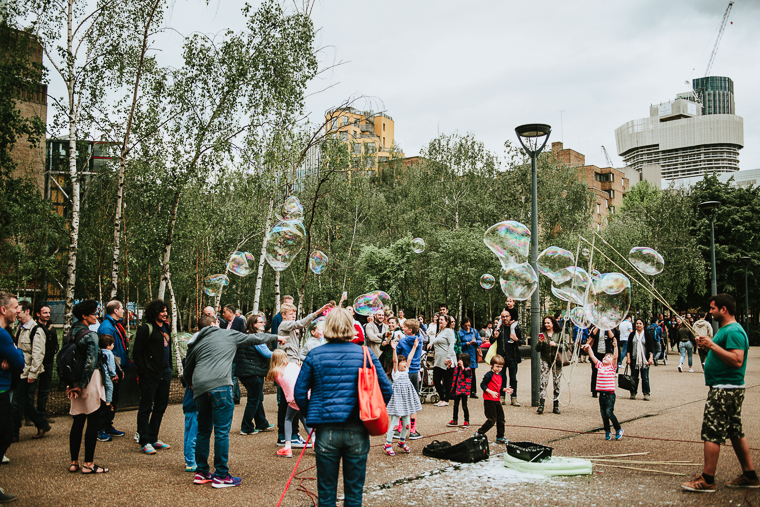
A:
x,y
657,350
191,433
644,379
623,351
349,441
23,405
235,386
214,411
686,347
607,408
154,398
254,417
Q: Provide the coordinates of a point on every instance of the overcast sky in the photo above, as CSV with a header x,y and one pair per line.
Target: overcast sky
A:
x,y
483,67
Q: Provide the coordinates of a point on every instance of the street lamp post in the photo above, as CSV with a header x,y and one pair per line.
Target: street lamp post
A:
x,y
533,138
708,209
746,259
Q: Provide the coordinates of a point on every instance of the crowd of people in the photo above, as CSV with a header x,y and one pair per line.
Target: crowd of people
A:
x,y
314,363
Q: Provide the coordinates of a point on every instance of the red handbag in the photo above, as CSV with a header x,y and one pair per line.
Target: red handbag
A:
x,y
372,409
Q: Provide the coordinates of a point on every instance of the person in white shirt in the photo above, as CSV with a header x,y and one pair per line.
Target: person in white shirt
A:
x,y
626,328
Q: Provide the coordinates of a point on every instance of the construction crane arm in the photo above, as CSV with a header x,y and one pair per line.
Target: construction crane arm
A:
x,y
720,36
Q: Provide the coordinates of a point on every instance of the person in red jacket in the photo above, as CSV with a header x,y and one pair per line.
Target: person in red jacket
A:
x,y
492,389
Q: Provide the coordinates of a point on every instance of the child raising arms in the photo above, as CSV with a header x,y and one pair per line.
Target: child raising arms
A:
x,y
404,402
605,386
285,373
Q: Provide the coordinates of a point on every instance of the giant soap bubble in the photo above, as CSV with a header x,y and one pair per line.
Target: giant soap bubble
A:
x,y
574,286
371,303
510,241
418,245
553,263
285,241
608,301
214,284
518,281
240,263
318,262
291,209
646,260
487,281
578,316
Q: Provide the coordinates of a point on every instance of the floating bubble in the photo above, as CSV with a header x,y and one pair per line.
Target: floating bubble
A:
x,y
646,260
574,286
371,303
585,252
608,301
510,241
241,263
578,316
487,281
518,281
214,284
553,263
284,242
318,262
291,209
418,245
259,313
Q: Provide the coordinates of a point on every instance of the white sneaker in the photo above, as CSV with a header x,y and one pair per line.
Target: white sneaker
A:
x,y
691,370
680,367
6,460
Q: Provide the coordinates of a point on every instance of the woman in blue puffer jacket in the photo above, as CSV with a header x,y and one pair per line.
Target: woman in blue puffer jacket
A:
x,y
331,372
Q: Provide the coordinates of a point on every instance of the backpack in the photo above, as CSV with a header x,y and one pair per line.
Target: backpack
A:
x,y
70,360
655,332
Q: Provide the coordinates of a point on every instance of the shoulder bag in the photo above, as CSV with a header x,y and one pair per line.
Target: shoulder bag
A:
x,y
625,381
372,409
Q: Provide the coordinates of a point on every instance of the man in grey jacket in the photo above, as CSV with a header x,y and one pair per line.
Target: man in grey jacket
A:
x,y
208,372
375,332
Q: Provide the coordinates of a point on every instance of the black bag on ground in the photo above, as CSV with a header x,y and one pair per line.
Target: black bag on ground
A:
x,y
529,451
70,361
472,450
625,381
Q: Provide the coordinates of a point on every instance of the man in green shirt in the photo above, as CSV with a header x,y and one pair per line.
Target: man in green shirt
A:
x,y
724,373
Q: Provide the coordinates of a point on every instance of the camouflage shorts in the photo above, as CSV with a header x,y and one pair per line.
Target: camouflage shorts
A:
x,y
723,415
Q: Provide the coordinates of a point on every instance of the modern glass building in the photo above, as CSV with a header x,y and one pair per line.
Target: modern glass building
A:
x,y
717,94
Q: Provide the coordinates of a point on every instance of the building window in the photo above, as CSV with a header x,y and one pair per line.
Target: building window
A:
x,y
369,148
344,136
333,124
345,120
383,126
612,177
612,210
598,210
612,194
606,203
383,141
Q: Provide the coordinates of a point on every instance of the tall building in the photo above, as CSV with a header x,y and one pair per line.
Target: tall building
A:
x,y
683,138
608,184
370,135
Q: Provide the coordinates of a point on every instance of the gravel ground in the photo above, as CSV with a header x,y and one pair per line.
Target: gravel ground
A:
x,y
667,428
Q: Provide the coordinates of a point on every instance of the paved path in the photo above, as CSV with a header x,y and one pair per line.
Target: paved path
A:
x,y
667,427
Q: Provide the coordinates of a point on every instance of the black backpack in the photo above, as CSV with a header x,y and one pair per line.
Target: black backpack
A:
x,y
70,360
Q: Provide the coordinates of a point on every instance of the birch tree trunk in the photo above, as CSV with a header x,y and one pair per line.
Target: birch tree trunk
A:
x,y
165,273
123,157
262,260
276,292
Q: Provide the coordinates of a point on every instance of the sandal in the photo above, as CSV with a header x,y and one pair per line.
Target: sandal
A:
x,y
74,466
94,469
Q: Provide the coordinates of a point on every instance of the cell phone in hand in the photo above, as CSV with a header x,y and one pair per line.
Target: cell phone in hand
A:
x,y
344,295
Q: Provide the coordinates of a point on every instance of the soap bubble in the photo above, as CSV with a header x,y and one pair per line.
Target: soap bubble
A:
x,y
240,263
284,242
553,263
585,252
578,316
291,209
646,260
518,281
259,313
574,287
418,245
214,284
608,301
318,262
371,303
510,241
487,281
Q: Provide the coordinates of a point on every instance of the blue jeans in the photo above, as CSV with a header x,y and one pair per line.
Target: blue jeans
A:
x,y
623,351
607,408
214,411
644,378
254,406
349,441
657,350
191,433
686,347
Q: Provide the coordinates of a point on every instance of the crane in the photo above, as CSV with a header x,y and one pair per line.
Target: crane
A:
x,y
607,156
720,36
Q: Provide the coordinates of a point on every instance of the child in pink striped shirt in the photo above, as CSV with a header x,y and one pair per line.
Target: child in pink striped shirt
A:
x,y
605,386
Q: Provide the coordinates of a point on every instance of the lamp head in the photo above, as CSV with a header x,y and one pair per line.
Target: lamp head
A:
x,y
708,208
533,137
746,258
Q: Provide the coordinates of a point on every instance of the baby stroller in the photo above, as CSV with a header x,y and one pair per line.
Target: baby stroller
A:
x,y
427,388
